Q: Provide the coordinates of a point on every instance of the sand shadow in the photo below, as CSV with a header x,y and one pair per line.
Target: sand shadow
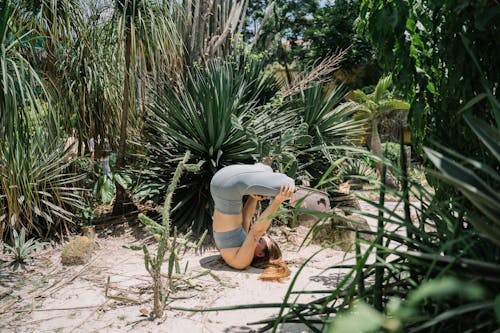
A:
x,y
240,329
330,281
216,263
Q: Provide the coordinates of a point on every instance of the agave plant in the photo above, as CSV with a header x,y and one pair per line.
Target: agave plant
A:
x,y
22,248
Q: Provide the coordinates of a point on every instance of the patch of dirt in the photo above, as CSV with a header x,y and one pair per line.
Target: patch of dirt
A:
x,y
50,297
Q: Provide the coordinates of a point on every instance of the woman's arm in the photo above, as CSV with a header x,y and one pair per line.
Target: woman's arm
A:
x,y
243,256
264,222
249,210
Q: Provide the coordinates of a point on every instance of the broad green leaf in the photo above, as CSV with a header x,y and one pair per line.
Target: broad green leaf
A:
x,y
487,134
361,318
120,180
106,191
438,289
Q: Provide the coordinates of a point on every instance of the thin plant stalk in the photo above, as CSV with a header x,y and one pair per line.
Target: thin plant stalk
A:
x,y
359,274
379,270
153,265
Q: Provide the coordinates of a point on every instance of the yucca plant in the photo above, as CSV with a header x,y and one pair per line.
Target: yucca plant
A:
x,y
212,114
328,121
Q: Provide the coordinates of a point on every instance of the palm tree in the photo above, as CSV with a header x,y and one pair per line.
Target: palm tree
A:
x,y
208,27
372,107
147,39
35,189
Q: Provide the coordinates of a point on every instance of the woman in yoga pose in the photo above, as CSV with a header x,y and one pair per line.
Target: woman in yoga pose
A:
x,y
239,244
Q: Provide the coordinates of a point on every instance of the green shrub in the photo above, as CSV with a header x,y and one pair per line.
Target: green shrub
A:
x,y
354,167
392,151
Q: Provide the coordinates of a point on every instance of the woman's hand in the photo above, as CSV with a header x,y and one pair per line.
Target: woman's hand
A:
x,y
286,192
257,197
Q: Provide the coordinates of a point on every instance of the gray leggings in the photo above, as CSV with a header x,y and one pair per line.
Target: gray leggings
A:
x,y
231,183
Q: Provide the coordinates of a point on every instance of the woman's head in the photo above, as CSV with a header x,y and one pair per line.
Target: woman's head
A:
x,y
268,256
266,250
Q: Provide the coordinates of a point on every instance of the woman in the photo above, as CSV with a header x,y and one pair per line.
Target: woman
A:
x,y
240,245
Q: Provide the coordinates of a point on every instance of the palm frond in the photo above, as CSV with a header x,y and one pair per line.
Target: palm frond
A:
x,y
391,105
381,88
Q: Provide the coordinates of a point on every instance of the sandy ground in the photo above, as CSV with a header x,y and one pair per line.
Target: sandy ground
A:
x,y
49,297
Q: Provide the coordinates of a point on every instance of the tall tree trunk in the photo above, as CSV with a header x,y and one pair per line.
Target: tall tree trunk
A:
x,y
376,145
81,129
121,195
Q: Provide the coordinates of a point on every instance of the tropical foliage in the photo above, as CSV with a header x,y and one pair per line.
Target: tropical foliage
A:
x,y
37,189
440,54
159,79
373,106
313,30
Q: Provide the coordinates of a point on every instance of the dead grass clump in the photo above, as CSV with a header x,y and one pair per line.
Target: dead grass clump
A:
x,y
79,250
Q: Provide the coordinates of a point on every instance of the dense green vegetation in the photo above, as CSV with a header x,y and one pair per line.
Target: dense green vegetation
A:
x,y
136,84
